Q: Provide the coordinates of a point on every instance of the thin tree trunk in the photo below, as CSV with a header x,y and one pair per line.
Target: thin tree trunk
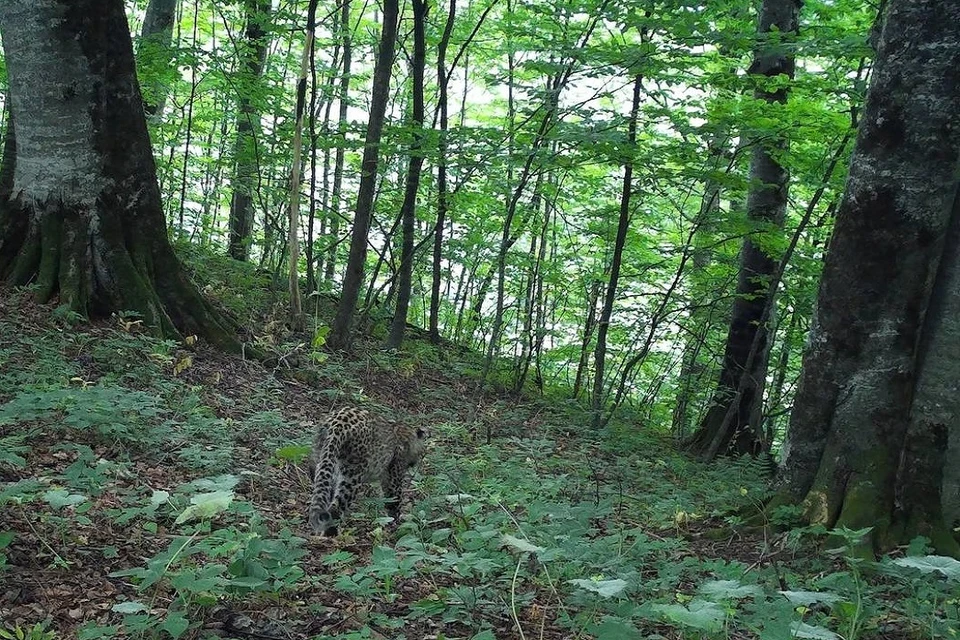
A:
x,y
408,210
293,242
341,331
739,391
155,54
603,325
588,327
336,195
442,94
246,151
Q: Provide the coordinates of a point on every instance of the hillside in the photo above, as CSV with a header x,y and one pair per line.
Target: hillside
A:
x,y
155,490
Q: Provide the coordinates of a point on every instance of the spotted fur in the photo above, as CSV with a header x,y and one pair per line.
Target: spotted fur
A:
x,y
350,448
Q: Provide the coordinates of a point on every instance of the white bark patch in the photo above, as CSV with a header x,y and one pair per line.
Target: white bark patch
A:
x,y
52,90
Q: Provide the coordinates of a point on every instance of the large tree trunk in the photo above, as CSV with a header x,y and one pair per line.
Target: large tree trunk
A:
x,y
84,218
732,424
878,387
408,210
341,330
246,175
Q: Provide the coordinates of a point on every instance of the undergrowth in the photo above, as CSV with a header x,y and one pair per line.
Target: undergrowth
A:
x,y
151,490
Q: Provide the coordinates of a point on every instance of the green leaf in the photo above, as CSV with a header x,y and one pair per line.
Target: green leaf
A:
x,y
615,629
486,634
729,589
129,607
6,537
175,624
95,632
248,582
159,497
604,588
206,505
59,498
293,452
706,616
929,564
520,545
806,598
810,632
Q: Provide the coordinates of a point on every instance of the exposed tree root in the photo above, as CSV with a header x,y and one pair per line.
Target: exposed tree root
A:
x,y
96,266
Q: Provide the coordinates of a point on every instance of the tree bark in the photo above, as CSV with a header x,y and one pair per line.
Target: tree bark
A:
x,y
408,210
246,175
155,54
732,423
84,218
297,320
610,297
866,424
341,331
336,194
433,329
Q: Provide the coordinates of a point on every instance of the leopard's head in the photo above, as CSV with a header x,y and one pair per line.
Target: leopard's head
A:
x,y
416,444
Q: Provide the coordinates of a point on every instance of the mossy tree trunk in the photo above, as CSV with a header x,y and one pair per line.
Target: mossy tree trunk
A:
x,y
732,424
83,217
878,390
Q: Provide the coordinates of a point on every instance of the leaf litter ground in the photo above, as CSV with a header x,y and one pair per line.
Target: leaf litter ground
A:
x,y
234,416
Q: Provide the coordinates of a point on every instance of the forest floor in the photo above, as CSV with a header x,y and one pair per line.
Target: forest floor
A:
x,y
148,489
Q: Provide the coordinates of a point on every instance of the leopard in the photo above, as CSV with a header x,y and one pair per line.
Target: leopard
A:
x,y
351,447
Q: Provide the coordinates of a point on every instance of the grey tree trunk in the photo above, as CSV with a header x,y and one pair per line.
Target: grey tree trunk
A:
x,y
155,54
341,331
732,424
84,219
881,350
246,174
408,210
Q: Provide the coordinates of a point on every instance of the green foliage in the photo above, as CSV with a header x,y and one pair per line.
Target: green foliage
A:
x,y
36,632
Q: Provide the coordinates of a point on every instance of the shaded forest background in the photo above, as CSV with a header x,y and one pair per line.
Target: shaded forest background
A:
x,y
523,150
588,233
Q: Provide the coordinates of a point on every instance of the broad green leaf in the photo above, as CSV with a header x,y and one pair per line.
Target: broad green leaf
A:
x,y
928,564
159,497
810,632
806,598
175,624
706,616
6,537
520,545
59,498
248,582
732,589
605,588
206,505
615,629
131,606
